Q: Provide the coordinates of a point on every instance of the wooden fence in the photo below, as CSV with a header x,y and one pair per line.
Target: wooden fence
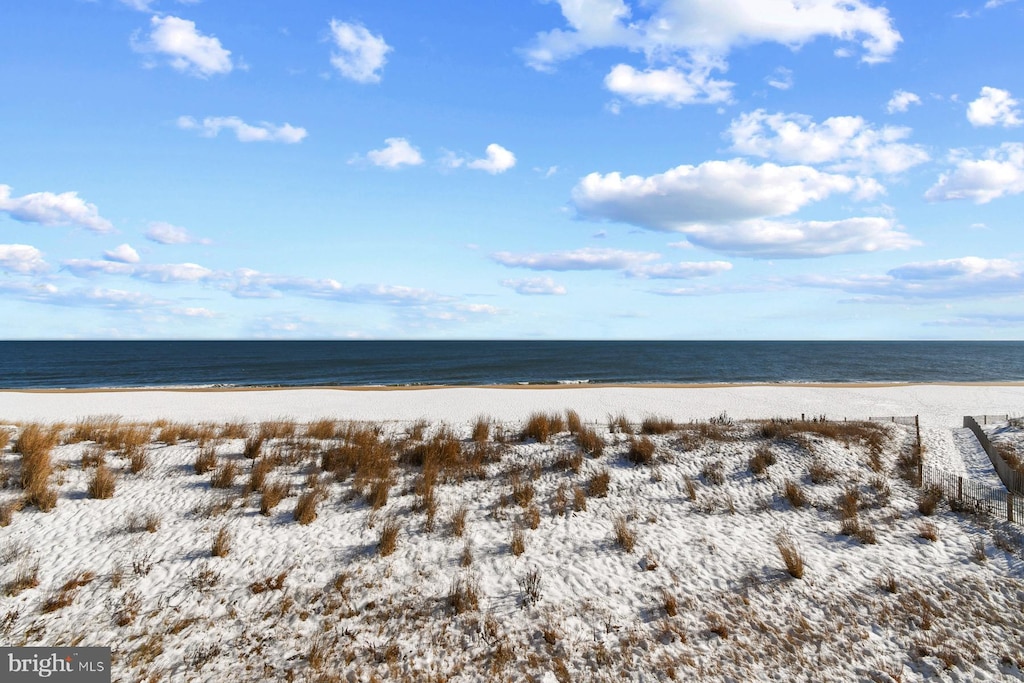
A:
x,y
967,495
1011,478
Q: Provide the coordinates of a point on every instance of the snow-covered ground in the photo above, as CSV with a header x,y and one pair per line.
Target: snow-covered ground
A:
x,y
703,593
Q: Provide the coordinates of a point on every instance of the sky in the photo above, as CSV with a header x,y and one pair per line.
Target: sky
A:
x,y
528,169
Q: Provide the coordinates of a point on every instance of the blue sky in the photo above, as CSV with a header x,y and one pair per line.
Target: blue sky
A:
x,y
600,169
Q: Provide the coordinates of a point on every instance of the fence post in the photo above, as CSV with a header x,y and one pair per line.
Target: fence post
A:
x,y
960,488
1009,506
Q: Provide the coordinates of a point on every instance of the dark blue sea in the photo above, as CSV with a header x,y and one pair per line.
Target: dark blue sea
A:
x,y
94,364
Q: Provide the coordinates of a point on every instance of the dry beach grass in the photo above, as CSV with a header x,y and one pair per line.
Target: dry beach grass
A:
x,y
486,550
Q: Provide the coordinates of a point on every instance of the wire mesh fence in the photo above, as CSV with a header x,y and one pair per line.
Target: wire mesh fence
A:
x,y
1009,475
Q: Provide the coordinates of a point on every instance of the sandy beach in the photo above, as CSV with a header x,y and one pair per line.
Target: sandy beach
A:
x,y
329,535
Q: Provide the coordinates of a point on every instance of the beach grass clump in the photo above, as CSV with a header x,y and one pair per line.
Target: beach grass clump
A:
x,y
794,493
35,444
102,483
620,424
713,472
599,483
590,442
641,451
387,543
573,422
625,536
463,595
272,494
221,543
930,497
761,460
206,460
482,429
542,426
517,543
791,557
579,499
568,459
305,507
820,472
224,477
5,438
457,523
657,425
522,490
137,461
233,430
322,429
928,531
26,577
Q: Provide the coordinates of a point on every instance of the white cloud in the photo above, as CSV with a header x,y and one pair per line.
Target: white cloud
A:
x,y
498,160
264,132
122,254
187,50
140,5
845,143
159,273
966,277
781,78
22,259
712,28
714,191
992,4
994,107
398,152
535,286
361,54
47,208
588,258
901,101
1000,173
669,86
165,233
680,271
758,238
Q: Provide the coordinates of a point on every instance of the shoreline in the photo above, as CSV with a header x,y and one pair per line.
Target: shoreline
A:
x,y
503,387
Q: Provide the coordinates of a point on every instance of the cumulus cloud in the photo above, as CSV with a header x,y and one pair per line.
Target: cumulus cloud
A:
x,y
47,208
994,107
844,143
122,254
714,191
22,259
186,49
670,86
999,173
166,233
759,238
498,160
396,153
160,273
901,101
263,132
690,31
535,286
966,277
588,258
361,55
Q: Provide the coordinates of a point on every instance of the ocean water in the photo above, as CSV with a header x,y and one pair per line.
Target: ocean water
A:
x,y
93,364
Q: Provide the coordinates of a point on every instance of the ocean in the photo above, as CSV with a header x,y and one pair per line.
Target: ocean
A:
x,y
102,364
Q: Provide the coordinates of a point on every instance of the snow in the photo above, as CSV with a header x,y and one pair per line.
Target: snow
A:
x,y
348,612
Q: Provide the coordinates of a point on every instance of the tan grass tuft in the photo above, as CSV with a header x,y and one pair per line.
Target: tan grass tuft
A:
x,y
466,557
657,425
102,483
599,483
791,556
261,468
540,427
221,543
641,451
458,521
929,499
669,603
233,430
794,493
482,429
579,499
819,472
713,472
388,541
206,460
517,544
620,424
762,459
573,422
590,442
305,508
224,477
137,461
322,429
625,537
273,493
928,531
532,517
463,595
26,577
